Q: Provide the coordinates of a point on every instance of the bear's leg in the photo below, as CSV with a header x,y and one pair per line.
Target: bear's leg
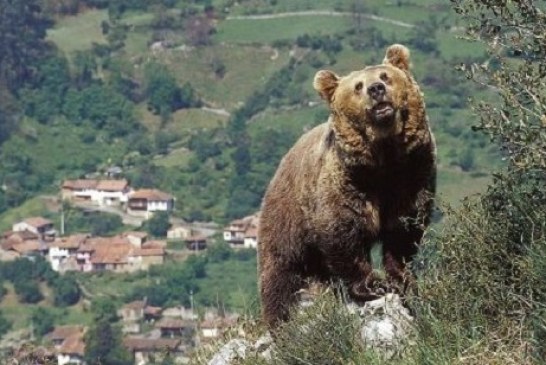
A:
x,y
399,248
278,287
356,272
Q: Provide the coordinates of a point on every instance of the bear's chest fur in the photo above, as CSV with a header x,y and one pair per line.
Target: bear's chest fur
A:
x,y
354,204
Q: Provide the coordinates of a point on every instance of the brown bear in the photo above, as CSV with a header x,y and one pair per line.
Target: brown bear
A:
x,y
366,175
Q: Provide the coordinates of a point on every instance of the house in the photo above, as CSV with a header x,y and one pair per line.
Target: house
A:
x,y
180,312
145,202
29,248
179,232
234,233
213,325
83,256
71,351
37,225
173,327
112,192
251,238
240,229
68,343
64,248
136,238
144,350
133,311
113,172
196,243
11,248
143,258
111,254
101,192
152,314
79,190
209,329
131,314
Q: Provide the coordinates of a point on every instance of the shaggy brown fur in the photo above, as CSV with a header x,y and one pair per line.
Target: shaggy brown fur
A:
x,y
347,184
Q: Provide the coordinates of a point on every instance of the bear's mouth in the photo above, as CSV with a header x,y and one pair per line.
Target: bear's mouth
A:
x,y
382,111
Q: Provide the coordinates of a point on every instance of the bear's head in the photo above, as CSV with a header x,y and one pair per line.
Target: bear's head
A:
x,y
376,100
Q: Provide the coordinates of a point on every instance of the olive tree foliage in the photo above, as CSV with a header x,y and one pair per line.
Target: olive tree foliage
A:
x,y
514,33
481,286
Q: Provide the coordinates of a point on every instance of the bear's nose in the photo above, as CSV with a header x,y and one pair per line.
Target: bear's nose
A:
x,y
376,90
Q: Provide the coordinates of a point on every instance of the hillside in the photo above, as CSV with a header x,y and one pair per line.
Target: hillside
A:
x,y
203,99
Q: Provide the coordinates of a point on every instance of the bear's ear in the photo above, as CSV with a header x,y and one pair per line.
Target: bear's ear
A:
x,y
398,56
326,83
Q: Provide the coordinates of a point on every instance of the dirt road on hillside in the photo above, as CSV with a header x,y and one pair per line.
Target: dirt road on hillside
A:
x,y
319,13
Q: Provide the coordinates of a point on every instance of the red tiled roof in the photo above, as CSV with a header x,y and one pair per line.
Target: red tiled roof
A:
x,y
148,252
172,323
26,247
149,345
138,234
154,311
154,244
24,235
137,305
112,185
37,222
73,345
195,239
150,194
252,232
63,332
111,254
71,242
83,184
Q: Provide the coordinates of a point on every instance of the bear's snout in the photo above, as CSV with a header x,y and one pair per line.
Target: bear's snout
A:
x,y
377,91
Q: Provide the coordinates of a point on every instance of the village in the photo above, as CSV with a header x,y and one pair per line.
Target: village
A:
x,y
149,332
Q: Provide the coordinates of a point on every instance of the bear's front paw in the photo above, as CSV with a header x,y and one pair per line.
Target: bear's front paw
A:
x,y
368,289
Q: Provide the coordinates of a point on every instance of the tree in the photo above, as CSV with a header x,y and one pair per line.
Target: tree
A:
x,y
22,40
163,93
66,291
158,225
104,309
104,224
5,325
42,320
28,291
103,345
499,238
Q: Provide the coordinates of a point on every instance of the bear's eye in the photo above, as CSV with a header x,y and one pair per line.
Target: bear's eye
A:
x,y
359,86
384,77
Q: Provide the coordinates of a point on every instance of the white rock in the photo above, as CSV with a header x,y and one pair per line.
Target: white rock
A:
x,y
234,349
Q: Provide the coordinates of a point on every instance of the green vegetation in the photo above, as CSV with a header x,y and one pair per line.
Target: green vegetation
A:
x,y
128,93
222,278
158,225
26,275
103,339
122,81
481,293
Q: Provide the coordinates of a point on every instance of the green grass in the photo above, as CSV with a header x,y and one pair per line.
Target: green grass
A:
x,y
32,207
454,185
297,120
239,276
186,120
452,46
19,314
269,30
58,148
112,285
247,69
77,33
176,158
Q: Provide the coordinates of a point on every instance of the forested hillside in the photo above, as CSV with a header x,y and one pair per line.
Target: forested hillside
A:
x,y
202,98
